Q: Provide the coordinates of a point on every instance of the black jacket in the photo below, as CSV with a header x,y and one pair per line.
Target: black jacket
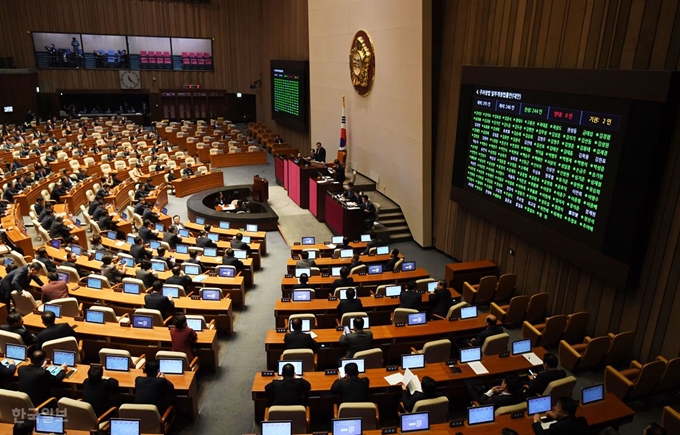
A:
x,y
566,426
35,381
49,265
488,332
288,391
204,242
349,306
354,389
98,394
299,340
410,299
441,301
154,391
139,252
156,301
409,400
356,342
26,335
349,282
182,280
540,383
232,261
52,332
18,280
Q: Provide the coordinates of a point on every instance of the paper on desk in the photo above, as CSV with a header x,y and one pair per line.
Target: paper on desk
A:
x,y
478,367
331,246
411,381
121,243
353,208
533,358
394,378
547,424
312,334
199,278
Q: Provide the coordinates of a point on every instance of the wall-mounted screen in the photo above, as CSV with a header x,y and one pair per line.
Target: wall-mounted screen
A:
x,y
289,93
568,167
148,52
105,51
58,50
192,54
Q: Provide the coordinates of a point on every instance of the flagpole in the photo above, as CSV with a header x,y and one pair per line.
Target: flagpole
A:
x,y
342,151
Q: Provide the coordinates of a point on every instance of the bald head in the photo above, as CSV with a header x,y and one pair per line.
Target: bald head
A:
x,y
491,320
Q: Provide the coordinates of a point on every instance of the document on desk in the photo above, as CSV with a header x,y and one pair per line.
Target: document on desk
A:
x,y
478,367
331,246
312,334
353,208
394,378
547,424
120,243
533,358
199,278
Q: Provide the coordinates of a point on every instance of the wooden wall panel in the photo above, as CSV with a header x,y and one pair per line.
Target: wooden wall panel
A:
x,y
608,34
246,34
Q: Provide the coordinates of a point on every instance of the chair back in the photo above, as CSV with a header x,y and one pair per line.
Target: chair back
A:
x,y
295,413
505,287
80,414
148,415
373,358
577,324
516,310
495,344
649,377
437,407
72,273
421,284
155,315
171,354
671,376
179,288
358,269
69,306
9,337
554,327
304,355
454,310
400,315
670,420
23,304
510,409
619,348
367,411
10,401
560,388
105,281
537,306
66,343
437,351
344,321
109,313
595,352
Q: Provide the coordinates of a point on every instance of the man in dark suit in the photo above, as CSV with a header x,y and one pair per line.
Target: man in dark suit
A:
x,y
71,259
171,237
394,257
98,391
296,339
178,278
344,281
35,381
194,260
155,300
506,394
305,261
345,244
47,221
41,256
18,280
374,243
139,252
409,297
567,423
349,193
202,241
38,206
52,330
145,274
238,243
60,230
358,340
429,388
349,305
351,388
288,390
154,389
15,324
356,261
149,215
230,260
320,154
540,381
57,192
441,299
161,257
146,233
492,328
98,200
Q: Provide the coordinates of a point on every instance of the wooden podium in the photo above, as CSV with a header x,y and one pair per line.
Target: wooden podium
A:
x,y
260,189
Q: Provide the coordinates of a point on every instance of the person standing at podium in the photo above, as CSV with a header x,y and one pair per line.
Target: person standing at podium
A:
x,y
320,154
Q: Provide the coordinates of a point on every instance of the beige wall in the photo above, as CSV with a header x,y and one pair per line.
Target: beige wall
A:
x,y
388,130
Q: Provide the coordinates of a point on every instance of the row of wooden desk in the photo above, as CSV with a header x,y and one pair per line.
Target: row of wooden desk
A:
x,y
325,263
197,183
362,282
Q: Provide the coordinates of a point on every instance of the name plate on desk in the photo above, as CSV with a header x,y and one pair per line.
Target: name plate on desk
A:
x,y
195,297
453,318
371,254
388,430
391,368
396,270
332,298
325,275
456,423
78,319
400,324
281,330
125,324
362,273
38,312
331,372
379,296
268,373
339,328
285,299
518,414
118,289
288,275
455,370
503,354
296,243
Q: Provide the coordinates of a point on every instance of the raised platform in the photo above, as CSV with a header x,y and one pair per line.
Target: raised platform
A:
x,y
202,205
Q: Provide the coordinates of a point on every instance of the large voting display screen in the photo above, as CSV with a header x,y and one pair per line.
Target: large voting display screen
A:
x,y
289,93
567,164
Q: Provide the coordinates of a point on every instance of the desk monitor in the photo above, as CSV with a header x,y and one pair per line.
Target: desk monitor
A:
x,y
312,254
154,244
375,269
160,227
277,427
302,295
15,351
192,269
366,323
413,361
117,363
184,233
382,250
245,239
112,235
470,354
170,292
296,364
241,254
210,252
214,237
365,237
98,255
200,221
300,270
306,325
164,210
225,272
50,424
468,312
195,324
211,294
7,261
158,265
360,362
124,216
171,366
67,357
592,394
130,239
308,240
335,271
392,290
347,426
131,288
539,405
182,249
225,225
416,319
346,253
129,261
521,346
78,223
432,286
142,321
415,421
407,266
56,309
336,240
76,249
94,316
63,276
125,426
55,243
94,283
342,293
480,414
251,228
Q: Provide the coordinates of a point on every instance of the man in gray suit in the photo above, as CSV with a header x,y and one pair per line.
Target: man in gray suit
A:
x,y
358,340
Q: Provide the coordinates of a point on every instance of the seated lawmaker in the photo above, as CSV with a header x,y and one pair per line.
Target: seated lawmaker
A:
x,y
344,281
15,325
351,388
154,389
288,390
230,260
429,388
565,418
155,300
394,257
296,339
349,305
52,330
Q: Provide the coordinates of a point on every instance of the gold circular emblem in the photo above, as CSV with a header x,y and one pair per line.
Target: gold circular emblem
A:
x,y
362,63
